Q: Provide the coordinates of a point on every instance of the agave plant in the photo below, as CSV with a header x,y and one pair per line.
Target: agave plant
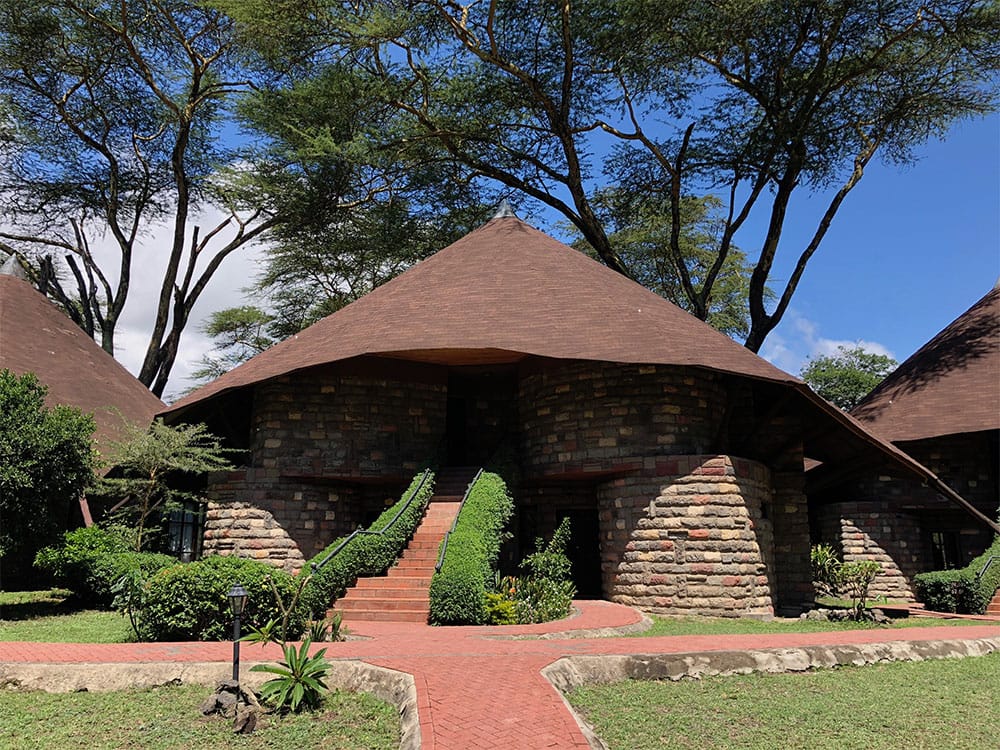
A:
x,y
299,683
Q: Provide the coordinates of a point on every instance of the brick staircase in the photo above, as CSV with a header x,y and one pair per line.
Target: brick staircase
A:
x,y
993,609
402,594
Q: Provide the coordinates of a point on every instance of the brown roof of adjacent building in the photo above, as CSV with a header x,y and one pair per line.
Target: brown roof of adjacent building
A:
x,y
36,337
502,292
951,385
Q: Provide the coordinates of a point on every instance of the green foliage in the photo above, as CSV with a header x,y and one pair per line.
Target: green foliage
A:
x,y
825,568
239,334
960,590
550,560
500,609
147,461
187,602
367,554
91,561
833,577
845,378
458,591
46,461
299,684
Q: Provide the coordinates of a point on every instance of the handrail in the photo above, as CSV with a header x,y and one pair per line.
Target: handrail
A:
x,y
447,534
989,562
357,532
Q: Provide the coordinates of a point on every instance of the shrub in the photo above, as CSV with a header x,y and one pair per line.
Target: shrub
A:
x,y
91,561
367,554
46,462
458,591
549,561
188,601
959,590
543,599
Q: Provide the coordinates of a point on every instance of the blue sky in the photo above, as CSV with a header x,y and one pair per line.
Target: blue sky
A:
x,y
911,249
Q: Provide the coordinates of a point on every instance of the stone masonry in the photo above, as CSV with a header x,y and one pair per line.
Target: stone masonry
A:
x,y
690,536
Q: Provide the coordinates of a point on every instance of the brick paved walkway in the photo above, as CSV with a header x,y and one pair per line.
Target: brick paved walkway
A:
x,y
476,687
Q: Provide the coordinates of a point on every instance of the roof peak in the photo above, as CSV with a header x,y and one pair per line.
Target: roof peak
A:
x,y
11,267
504,211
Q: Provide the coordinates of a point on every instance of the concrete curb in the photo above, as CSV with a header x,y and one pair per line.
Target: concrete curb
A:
x,y
571,672
395,688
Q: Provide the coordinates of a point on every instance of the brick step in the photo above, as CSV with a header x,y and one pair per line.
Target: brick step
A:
x,y
376,615
420,553
393,582
426,563
387,605
385,592
432,544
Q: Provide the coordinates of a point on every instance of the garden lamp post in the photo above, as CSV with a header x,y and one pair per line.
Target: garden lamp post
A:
x,y
237,601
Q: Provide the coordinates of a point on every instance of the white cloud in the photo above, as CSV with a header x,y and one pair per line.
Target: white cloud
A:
x,y
149,263
798,339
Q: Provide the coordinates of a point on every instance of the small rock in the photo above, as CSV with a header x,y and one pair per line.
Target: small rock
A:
x,y
246,719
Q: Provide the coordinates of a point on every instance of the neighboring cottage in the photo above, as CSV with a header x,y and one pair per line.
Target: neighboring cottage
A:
x,y
942,407
35,336
677,453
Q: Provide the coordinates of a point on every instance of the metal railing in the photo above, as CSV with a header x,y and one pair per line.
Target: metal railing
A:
x,y
989,562
359,532
447,535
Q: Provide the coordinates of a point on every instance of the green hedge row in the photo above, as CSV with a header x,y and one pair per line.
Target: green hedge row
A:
x,y
957,590
188,601
367,554
458,590
90,561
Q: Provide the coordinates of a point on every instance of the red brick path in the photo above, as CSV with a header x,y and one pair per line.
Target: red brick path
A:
x,y
475,690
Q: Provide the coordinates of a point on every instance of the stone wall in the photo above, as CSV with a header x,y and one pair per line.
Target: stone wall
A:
x,y
339,423
690,535
874,531
588,415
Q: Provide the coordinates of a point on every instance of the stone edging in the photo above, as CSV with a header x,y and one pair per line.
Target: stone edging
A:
x,y
395,688
571,672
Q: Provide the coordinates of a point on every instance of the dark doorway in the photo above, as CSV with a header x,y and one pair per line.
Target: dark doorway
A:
x,y
481,413
456,424
585,552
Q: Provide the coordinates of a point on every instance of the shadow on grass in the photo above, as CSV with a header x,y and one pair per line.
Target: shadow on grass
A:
x,y
29,605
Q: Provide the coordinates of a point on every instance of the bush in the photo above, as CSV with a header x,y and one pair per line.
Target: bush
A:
x,y
958,590
46,462
458,591
188,601
91,561
549,561
367,554
543,600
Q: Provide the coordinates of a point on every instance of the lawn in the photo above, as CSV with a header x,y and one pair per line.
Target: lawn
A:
x,y
167,718
741,625
50,617
948,703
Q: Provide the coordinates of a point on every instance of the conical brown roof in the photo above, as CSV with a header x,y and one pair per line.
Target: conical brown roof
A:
x,y
36,337
503,291
950,385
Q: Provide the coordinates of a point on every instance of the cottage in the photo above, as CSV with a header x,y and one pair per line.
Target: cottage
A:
x,y
942,407
677,453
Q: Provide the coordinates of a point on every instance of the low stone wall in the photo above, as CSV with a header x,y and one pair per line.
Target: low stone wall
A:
x,y
689,535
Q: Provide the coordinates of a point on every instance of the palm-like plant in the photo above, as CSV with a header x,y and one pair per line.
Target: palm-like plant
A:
x,y
299,683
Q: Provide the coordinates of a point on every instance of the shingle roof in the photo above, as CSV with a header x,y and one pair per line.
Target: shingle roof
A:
x,y
950,385
36,337
503,291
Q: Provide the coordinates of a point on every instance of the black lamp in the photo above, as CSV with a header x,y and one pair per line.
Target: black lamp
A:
x,y
237,602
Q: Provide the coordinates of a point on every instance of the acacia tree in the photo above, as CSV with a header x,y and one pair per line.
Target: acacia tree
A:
x,y
113,113
751,101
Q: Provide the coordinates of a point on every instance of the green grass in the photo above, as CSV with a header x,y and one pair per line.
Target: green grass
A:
x,y
50,617
168,718
930,705
745,625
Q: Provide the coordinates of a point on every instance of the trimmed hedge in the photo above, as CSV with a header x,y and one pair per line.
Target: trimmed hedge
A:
x,y
91,560
957,590
188,601
367,554
458,590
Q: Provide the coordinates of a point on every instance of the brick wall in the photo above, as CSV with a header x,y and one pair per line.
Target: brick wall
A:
x,y
691,536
